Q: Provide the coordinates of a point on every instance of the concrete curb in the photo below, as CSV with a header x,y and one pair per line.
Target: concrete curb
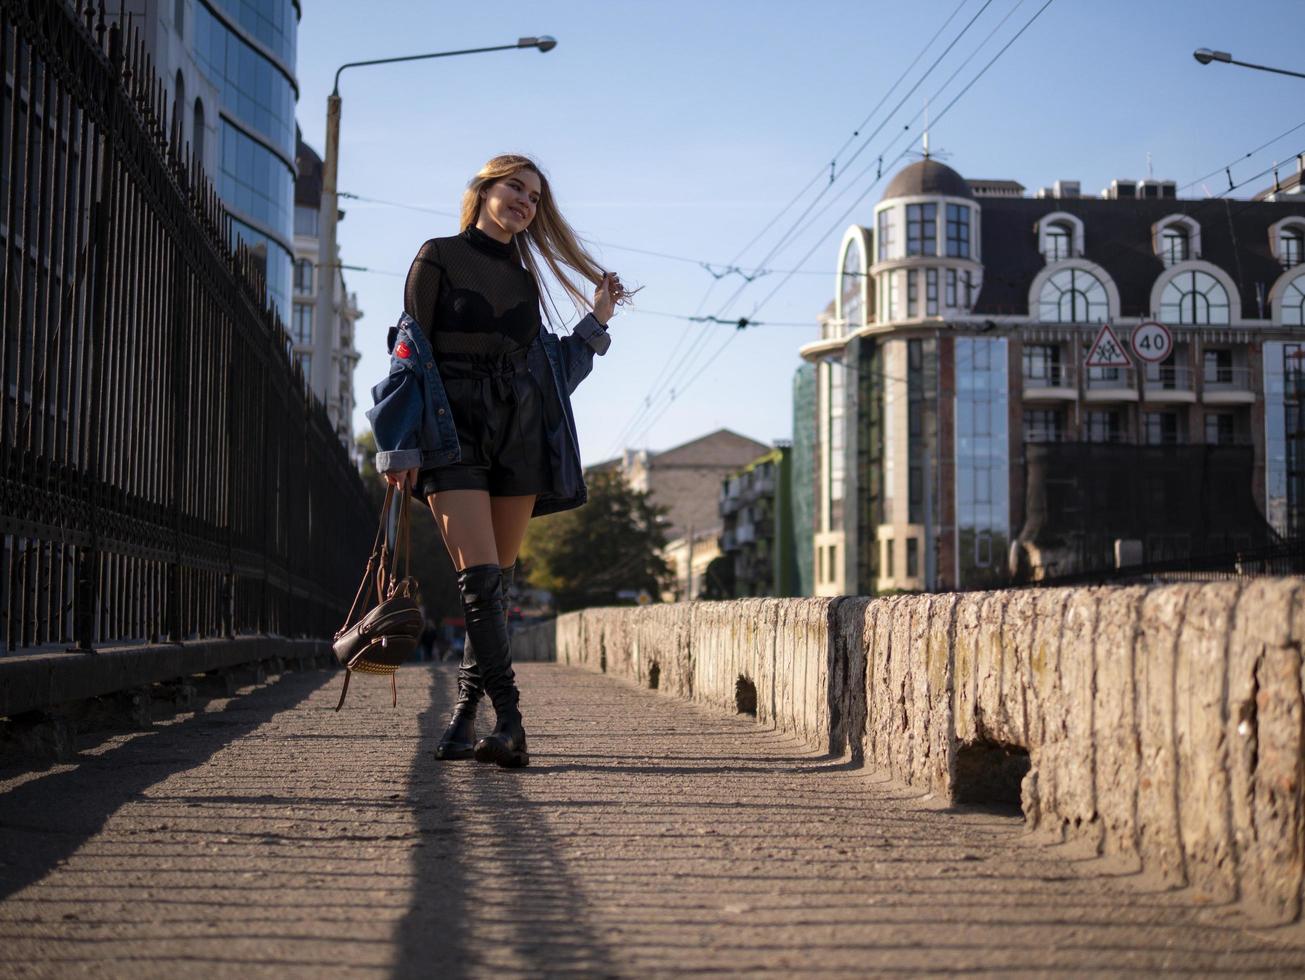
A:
x,y
40,681
1164,726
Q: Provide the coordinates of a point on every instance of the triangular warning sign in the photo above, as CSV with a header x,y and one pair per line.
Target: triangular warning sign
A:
x,y
1107,351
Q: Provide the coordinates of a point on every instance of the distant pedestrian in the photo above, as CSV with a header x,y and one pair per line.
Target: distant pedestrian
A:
x,y
475,415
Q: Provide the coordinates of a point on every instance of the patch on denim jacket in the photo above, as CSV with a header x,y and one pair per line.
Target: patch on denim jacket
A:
x,y
403,350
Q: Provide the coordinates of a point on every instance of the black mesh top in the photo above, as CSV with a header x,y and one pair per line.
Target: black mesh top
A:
x,y
471,295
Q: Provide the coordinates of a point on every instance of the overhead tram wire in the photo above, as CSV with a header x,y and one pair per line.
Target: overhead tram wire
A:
x,y
702,263
1226,168
970,84
950,105
911,122
834,175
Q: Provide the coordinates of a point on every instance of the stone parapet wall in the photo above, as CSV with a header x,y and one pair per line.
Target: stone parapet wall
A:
x,y
1162,725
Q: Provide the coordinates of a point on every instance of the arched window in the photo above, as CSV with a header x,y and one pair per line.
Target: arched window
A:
x,y
1293,303
1058,241
179,104
1174,245
1073,296
1176,238
1194,297
198,138
1060,236
1291,245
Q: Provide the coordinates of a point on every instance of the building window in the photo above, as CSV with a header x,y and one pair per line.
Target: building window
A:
x,y
302,328
1073,296
958,231
179,104
306,221
1291,246
931,292
888,556
305,361
197,131
1174,246
951,289
912,557
1194,298
1042,363
1103,426
304,276
1160,428
884,238
833,563
1058,241
922,229
1042,425
179,17
1293,303
1220,429
913,292
1217,366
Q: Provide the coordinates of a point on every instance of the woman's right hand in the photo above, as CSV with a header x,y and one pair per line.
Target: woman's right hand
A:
x,y
403,479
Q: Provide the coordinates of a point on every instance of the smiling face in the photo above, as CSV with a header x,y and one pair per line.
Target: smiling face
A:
x,y
508,205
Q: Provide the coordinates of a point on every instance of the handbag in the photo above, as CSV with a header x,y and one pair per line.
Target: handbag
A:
x,y
378,637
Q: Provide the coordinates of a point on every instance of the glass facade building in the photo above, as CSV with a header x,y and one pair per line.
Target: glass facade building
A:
x,y
982,457
246,50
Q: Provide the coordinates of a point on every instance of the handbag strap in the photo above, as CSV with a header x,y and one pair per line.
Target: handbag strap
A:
x,y
402,546
371,560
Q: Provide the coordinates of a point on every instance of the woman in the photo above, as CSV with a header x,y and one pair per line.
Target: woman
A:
x,y
475,416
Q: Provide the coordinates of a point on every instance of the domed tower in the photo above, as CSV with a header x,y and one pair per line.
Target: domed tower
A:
x,y
926,261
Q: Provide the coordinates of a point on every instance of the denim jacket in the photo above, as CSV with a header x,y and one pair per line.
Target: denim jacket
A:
x,y
413,423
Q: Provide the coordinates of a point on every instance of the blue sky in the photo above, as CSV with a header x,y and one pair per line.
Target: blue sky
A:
x,y
684,128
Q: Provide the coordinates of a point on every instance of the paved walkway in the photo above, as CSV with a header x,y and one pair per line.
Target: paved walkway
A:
x,y
267,836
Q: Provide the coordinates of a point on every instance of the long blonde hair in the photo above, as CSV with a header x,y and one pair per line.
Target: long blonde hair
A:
x,y
552,237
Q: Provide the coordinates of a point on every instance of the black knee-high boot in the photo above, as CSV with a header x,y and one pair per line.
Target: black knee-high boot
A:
x,y
482,606
459,738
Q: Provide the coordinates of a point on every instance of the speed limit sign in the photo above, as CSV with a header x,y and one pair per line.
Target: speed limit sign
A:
x,y
1152,341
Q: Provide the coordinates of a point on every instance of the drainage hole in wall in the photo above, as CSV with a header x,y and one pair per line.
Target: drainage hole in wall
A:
x,y
745,696
654,675
989,774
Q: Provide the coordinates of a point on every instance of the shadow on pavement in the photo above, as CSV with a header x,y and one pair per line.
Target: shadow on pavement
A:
x,y
491,890
45,819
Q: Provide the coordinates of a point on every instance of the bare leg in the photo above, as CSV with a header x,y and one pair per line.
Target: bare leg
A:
x,y
510,516
467,526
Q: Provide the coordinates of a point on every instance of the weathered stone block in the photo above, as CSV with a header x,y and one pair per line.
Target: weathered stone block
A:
x,y
1158,820
1115,719
1265,751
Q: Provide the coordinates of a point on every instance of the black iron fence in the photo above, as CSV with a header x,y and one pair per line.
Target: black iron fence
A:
x,y
164,475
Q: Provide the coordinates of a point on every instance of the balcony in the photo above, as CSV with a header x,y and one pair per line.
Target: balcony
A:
x,y
1169,383
1054,382
1111,385
1228,386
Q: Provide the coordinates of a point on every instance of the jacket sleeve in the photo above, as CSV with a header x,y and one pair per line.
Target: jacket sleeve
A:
x,y
396,416
578,349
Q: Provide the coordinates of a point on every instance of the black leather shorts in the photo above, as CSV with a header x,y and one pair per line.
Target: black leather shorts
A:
x,y
499,408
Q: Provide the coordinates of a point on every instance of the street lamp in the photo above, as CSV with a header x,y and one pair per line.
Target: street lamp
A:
x,y
324,315
1205,56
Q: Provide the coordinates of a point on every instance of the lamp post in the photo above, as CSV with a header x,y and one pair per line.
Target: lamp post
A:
x,y
1205,56
324,316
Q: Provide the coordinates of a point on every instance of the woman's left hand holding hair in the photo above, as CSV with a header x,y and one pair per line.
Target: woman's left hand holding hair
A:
x,y
607,295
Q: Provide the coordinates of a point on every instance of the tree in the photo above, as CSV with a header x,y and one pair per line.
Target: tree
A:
x,y
431,565
612,544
